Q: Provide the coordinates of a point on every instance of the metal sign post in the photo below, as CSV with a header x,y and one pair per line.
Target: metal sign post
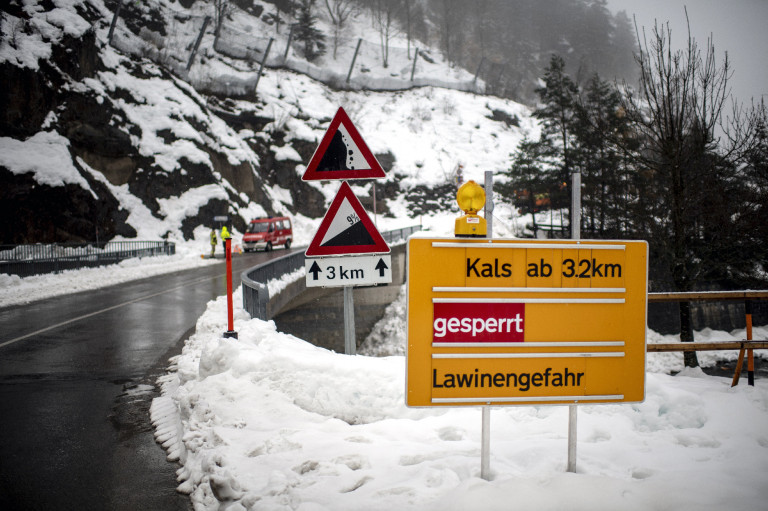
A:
x,y
573,410
350,346
485,449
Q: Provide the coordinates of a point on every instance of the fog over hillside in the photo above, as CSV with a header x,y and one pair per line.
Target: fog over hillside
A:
x,y
738,27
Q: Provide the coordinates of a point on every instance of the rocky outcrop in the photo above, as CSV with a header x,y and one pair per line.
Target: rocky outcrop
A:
x,y
49,214
98,99
104,139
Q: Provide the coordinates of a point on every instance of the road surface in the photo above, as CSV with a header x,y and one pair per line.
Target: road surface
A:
x,y
77,376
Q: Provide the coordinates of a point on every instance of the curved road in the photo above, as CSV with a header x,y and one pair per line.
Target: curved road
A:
x,y
77,376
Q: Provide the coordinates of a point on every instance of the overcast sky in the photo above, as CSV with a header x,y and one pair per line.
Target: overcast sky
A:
x,y
739,27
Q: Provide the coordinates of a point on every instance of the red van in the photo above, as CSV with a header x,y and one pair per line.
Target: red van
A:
x,y
268,232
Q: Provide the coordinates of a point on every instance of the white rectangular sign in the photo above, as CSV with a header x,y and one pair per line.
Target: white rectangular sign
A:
x,y
355,270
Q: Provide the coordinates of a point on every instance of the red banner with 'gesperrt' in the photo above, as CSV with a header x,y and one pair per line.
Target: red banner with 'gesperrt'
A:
x,y
478,322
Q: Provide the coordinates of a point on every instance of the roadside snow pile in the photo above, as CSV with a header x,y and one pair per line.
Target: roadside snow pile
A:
x,y
269,422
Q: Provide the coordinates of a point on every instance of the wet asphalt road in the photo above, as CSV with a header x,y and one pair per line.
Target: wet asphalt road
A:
x,y
77,377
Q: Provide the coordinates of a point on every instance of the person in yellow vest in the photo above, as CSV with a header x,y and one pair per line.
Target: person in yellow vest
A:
x,y
214,240
224,237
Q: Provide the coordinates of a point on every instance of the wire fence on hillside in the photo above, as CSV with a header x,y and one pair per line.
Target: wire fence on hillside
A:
x,y
184,42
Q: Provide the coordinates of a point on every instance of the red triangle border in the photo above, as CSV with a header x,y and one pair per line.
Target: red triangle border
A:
x,y
312,174
379,245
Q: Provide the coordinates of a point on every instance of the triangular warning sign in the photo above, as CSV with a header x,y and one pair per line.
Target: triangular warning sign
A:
x,y
346,229
342,154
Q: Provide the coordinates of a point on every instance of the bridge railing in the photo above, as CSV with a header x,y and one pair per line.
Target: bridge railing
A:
x,y
27,260
254,280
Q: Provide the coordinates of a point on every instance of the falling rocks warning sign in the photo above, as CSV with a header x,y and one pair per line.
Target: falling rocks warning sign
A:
x,y
342,154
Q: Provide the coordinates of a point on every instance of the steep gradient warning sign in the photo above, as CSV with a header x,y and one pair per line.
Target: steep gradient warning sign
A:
x,y
342,154
346,229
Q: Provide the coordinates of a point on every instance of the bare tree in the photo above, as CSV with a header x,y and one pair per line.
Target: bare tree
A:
x,y
408,13
340,11
678,117
449,14
385,15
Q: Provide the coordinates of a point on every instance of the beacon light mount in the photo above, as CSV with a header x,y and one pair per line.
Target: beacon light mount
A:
x,y
471,198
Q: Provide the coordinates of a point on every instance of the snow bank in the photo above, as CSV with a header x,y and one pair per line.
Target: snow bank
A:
x,y
269,421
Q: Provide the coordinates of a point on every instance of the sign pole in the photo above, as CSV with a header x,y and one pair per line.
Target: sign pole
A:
x,y
350,347
576,235
485,449
230,315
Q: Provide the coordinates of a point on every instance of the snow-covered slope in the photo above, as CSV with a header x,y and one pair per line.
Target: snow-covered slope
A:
x,y
106,141
271,422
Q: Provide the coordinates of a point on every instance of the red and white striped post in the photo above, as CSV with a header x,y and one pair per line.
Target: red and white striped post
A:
x,y
230,315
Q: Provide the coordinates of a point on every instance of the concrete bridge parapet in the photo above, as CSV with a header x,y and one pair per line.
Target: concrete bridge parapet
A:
x,y
317,314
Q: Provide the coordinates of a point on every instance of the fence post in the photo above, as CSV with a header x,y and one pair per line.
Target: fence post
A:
x,y
690,359
114,22
197,42
261,67
288,45
750,355
415,58
477,73
354,57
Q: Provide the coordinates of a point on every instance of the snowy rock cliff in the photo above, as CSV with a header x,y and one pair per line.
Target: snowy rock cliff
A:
x,y
104,141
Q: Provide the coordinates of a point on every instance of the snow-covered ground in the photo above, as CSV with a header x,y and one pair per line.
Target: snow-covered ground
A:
x,y
271,422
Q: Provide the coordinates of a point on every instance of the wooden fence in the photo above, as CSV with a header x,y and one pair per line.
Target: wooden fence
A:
x,y
745,347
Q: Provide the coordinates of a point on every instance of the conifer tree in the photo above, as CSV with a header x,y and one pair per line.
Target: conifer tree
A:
x,y
532,177
557,114
307,32
599,120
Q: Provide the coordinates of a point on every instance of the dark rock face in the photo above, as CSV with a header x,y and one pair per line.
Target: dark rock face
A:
x,y
24,101
28,98
104,139
49,214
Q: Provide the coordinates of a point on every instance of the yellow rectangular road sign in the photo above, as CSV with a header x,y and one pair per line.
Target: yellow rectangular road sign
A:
x,y
505,322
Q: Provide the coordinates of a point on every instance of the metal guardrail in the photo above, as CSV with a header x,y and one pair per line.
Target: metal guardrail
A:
x,y
28,260
254,280
400,234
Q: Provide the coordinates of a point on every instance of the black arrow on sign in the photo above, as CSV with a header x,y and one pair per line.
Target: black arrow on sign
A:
x,y
381,266
314,270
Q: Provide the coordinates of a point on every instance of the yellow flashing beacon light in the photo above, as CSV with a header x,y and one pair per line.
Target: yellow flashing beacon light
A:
x,y
471,197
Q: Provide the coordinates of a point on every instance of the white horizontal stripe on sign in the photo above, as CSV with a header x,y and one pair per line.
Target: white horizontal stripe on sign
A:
x,y
564,246
596,354
529,290
563,344
527,300
615,397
